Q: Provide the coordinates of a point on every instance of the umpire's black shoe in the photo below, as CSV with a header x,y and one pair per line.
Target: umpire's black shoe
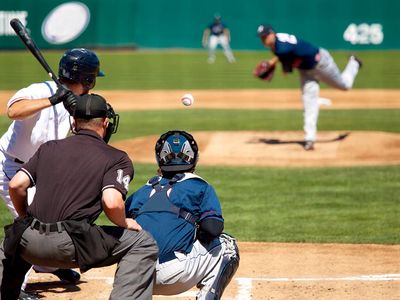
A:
x,y
25,296
67,275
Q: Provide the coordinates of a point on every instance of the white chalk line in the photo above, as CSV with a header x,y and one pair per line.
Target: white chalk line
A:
x,y
380,277
245,284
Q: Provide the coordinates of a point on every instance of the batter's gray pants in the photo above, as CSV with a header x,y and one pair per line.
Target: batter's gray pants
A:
x,y
136,256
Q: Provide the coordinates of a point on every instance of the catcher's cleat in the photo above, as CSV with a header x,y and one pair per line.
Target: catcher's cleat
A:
x,y
359,61
67,275
309,145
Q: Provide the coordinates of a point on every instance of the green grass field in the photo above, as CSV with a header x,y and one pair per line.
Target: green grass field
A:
x,y
189,70
344,205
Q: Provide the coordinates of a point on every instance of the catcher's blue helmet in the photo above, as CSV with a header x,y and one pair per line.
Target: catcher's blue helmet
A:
x,y
80,65
176,151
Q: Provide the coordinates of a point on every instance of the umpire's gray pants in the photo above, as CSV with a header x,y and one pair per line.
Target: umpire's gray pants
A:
x,y
136,256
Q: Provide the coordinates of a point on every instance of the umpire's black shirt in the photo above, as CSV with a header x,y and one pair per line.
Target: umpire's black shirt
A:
x,y
70,175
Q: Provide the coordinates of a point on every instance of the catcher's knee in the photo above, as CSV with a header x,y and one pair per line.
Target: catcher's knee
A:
x,y
229,266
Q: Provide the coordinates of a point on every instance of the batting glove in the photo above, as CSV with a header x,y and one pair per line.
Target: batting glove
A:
x,y
61,94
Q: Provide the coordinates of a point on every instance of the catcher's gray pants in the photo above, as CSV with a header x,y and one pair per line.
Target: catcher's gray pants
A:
x,y
200,268
328,72
136,256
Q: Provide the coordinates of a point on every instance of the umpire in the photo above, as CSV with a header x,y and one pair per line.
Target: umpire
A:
x,y
76,178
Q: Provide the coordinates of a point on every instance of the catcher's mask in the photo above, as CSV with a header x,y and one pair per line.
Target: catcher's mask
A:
x,y
176,151
80,65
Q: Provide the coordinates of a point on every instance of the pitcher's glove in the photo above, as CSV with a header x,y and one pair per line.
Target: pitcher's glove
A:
x,y
264,70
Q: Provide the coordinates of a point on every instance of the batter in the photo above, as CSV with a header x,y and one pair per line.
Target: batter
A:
x,y
40,114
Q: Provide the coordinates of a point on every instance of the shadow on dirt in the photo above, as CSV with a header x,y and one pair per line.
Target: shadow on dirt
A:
x,y
54,287
301,142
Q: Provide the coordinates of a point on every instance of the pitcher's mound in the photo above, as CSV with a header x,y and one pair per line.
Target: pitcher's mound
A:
x,y
280,148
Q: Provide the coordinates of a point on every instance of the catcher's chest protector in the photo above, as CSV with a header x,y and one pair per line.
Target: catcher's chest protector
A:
x,y
159,201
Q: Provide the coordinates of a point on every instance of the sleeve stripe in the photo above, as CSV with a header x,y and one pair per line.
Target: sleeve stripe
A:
x,y
108,187
28,174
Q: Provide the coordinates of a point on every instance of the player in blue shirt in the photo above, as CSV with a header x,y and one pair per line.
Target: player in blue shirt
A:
x,y
314,64
217,33
182,212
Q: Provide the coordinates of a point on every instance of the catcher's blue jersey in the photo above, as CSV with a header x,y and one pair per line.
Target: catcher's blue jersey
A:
x,y
171,232
295,53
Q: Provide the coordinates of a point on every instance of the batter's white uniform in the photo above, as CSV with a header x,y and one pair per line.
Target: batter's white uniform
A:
x,y
24,137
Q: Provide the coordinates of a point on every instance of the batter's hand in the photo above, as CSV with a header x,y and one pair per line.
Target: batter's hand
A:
x,y
61,94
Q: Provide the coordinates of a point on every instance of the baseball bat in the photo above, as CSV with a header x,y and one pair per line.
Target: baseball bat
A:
x,y
25,37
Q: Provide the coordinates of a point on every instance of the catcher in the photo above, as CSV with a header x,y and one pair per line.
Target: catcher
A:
x,y
183,214
314,65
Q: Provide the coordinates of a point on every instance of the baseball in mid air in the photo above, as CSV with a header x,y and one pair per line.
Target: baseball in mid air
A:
x,y
187,99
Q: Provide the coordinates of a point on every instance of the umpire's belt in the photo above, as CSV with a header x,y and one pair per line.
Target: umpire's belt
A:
x,y
47,227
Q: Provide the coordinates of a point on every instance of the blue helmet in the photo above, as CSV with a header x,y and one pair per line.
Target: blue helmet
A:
x,y
80,65
176,151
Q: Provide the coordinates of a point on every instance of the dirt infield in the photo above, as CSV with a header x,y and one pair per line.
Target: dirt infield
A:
x,y
274,271
271,270
281,149
240,99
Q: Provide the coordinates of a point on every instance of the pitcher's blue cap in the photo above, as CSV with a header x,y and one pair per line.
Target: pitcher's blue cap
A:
x,y
264,30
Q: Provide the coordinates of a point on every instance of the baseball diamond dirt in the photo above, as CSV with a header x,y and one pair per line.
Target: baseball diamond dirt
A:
x,y
272,270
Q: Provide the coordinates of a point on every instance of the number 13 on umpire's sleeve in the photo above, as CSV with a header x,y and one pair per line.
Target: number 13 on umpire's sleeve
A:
x,y
123,180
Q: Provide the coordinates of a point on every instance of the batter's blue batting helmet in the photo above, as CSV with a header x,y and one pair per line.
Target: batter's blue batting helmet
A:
x,y
80,65
176,151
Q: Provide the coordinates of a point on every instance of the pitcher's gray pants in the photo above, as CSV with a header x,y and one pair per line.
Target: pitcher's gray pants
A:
x,y
328,72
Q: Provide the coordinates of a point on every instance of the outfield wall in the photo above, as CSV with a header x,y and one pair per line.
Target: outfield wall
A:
x,y
340,24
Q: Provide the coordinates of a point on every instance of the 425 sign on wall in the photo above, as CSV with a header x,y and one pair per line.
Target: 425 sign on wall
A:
x,y
364,34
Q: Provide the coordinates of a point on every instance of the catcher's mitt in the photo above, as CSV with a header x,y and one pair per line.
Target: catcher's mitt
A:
x,y
264,70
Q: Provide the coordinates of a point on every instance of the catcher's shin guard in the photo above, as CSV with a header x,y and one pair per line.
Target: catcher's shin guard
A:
x,y
228,268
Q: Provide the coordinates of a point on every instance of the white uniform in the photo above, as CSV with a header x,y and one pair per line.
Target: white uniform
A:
x,y
217,37
222,40
24,137
328,72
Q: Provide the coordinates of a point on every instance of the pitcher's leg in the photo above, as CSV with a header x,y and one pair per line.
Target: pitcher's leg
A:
x,y
310,95
328,72
350,72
